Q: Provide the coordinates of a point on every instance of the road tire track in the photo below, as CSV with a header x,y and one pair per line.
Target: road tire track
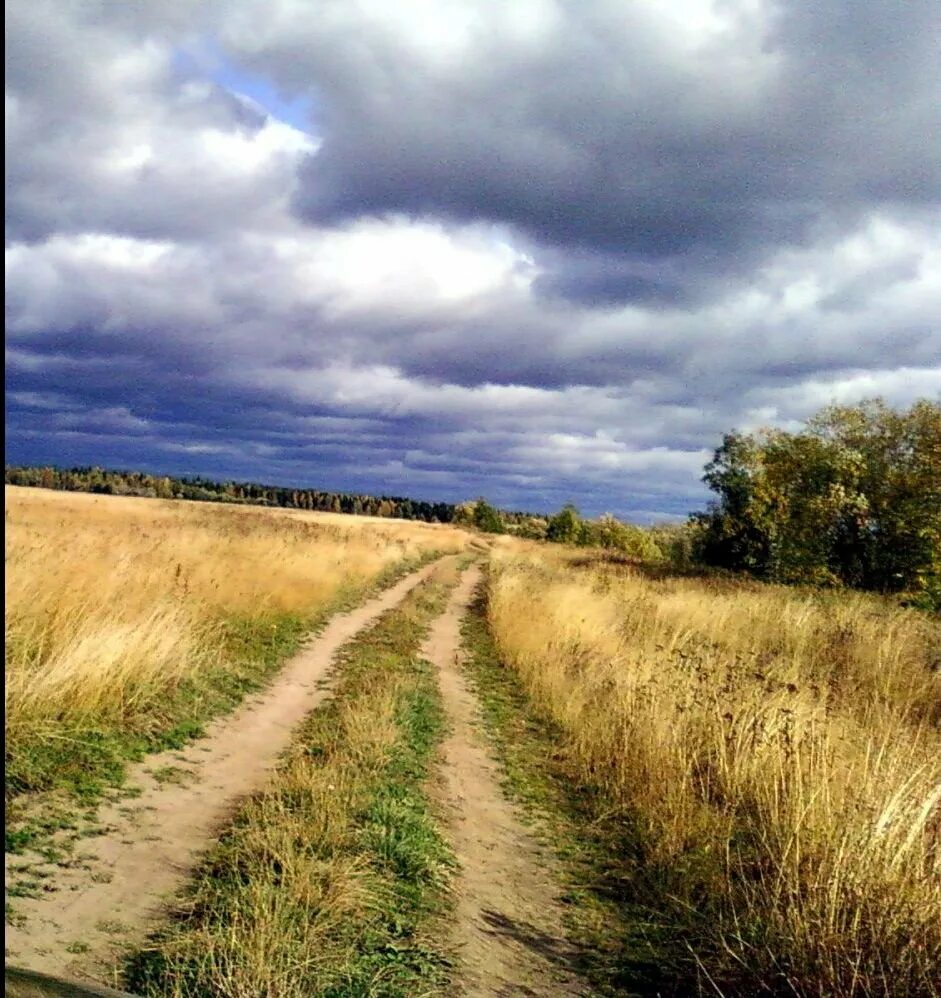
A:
x,y
94,911
508,921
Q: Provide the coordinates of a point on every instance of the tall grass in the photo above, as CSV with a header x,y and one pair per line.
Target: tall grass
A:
x,y
112,604
777,753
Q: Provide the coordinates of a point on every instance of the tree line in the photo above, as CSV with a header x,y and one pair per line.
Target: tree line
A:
x,y
138,483
567,526
852,499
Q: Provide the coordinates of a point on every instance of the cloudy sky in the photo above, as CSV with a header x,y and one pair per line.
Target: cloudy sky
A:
x,y
540,250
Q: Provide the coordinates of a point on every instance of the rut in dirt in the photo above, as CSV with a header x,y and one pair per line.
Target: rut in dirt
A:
x,y
95,911
508,930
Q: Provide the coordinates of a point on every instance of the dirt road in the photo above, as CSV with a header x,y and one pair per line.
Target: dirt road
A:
x,y
94,912
508,929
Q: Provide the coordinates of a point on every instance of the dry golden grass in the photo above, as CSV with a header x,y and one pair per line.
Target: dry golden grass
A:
x,y
277,926
112,602
781,749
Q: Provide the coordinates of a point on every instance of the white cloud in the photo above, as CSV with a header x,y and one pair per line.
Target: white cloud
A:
x,y
398,264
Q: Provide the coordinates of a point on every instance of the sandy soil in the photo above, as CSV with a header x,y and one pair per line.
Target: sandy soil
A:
x,y
95,910
508,931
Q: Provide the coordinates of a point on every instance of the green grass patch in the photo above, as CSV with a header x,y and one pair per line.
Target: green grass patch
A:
x,y
171,774
333,881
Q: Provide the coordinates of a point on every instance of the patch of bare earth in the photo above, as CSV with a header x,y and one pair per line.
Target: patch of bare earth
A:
x,y
508,929
94,910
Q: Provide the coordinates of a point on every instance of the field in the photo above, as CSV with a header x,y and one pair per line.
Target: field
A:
x,y
127,618
495,764
777,755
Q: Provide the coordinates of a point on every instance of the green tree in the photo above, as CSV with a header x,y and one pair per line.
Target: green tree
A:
x,y
734,534
897,540
486,517
626,538
565,526
854,499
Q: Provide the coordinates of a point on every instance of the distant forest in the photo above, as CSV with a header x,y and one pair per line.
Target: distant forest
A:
x,y
139,483
852,499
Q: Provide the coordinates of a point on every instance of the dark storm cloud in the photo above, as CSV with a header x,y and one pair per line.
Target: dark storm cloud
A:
x,y
601,126
540,251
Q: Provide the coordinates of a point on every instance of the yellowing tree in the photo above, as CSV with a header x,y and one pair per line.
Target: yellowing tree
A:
x,y
853,499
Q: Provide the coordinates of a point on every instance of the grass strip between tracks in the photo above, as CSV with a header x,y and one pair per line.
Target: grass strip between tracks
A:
x,y
332,881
